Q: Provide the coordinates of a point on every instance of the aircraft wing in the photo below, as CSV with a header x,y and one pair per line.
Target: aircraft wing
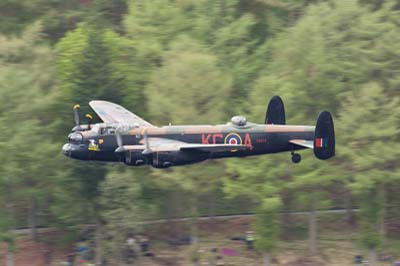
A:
x,y
162,144
112,113
303,143
215,147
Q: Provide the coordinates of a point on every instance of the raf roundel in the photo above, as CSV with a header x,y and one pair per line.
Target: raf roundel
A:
x,y
233,139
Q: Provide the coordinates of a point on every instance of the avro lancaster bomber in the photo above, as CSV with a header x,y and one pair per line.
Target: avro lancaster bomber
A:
x,y
125,137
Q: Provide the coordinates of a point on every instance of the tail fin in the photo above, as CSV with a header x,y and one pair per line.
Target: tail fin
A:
x,y
275,112
324,137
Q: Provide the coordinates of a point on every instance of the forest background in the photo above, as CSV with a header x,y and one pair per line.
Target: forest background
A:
x,y
196,62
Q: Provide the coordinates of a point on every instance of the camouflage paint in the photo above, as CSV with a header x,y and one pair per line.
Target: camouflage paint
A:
x,y
260,138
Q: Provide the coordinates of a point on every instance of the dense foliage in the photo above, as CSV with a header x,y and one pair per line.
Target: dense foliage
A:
x,y
199,61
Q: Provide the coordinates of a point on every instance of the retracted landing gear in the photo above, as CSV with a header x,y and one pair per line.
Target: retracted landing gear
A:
x,y
296,158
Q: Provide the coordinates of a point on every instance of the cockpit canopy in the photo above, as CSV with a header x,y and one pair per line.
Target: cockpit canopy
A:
x,y
110,129
103,129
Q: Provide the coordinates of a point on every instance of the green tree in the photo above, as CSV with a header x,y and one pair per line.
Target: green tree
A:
x,y
267,228
188,87
332,51
87,72
93,76
26,75
122,210
262,180
94,63
309,185
7,201
370,148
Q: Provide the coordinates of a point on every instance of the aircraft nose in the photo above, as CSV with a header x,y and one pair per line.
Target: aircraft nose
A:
x,y
76,151
66,149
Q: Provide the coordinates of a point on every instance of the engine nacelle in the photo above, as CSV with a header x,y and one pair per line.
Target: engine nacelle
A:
x,y
174,158
135,158
163,159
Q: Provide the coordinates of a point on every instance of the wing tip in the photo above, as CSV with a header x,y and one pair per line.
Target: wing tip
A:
x,y
99,101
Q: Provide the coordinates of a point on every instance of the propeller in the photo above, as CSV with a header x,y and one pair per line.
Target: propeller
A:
x,y
89,118
147,150
76,114
119,143
119,139
76,118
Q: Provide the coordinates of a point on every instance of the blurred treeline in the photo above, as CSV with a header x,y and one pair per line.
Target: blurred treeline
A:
x,y
195,62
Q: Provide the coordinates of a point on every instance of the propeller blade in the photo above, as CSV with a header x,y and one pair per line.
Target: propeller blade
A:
x,y
120,150
77,126
76,114
89,118
119,141
147,150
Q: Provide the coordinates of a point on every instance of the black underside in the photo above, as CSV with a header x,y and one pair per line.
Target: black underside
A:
x,y
261,143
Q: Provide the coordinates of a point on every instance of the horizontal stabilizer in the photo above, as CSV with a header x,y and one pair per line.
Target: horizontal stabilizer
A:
x,y
303,143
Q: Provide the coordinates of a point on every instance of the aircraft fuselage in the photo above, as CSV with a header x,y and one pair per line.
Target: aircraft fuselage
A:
x,y
260,138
